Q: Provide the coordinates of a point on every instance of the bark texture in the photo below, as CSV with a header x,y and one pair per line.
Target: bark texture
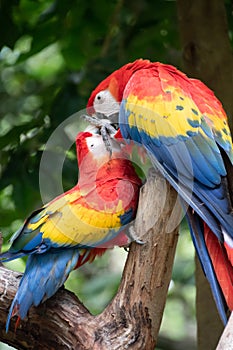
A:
x,y
132,319
207,55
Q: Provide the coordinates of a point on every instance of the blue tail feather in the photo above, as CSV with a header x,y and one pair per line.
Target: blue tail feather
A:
x,y
44,275
197,233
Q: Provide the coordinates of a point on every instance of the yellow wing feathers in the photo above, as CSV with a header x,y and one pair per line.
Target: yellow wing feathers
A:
x,y
169,108
71,220
174,115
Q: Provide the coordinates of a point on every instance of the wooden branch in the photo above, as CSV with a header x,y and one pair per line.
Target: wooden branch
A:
x,y
133,317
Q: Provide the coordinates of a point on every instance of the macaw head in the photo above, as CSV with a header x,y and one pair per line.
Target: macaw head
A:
x,y
95,163
91,149
106,97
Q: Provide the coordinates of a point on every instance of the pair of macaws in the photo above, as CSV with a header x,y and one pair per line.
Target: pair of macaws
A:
x,y
184,129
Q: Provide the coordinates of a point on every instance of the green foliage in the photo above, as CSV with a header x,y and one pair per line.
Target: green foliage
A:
x,y
52,54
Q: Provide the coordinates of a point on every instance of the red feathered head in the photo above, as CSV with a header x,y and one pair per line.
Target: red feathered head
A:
x,y
116,82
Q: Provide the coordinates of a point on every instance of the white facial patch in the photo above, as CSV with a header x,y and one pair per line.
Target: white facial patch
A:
x,y
105,103
97,147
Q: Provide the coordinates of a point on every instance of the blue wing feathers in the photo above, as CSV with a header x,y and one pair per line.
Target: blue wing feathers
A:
x,y
211,153
203,169
127,217
8,256
34,242
195,168
203,201
194,163
215,203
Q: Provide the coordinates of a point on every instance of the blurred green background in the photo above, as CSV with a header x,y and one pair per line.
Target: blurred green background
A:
x,y
52,54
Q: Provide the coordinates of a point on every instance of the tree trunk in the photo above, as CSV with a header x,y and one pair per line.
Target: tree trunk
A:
x,y
207,55
133,317
207,52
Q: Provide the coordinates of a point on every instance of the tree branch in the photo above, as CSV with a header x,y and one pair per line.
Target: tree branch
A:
x,y
132,318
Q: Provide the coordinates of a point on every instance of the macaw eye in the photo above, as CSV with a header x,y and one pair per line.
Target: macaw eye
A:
x,y
100,97
105,103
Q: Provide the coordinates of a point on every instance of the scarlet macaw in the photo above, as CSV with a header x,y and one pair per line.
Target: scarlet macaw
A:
x,y
78,225
184,128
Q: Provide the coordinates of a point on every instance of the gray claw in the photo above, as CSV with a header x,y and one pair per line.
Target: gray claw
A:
x,y
133,236
139,241
105,128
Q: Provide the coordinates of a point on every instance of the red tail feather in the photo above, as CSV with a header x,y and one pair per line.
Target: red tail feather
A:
x,y
17,323
221,263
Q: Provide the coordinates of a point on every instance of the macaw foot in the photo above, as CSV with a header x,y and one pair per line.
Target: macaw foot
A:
x,y
133,236
99,122
105,127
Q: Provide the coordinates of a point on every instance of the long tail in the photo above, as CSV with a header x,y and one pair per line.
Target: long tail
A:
x,y
44,275
215,263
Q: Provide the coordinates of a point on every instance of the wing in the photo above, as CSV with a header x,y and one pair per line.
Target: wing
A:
x,y
69,221
184,108
184,128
